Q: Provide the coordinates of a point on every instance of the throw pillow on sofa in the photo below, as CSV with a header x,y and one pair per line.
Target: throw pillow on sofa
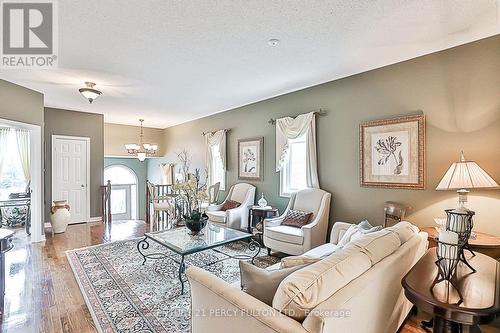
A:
x,y
357,230
230,204
296,218
261,283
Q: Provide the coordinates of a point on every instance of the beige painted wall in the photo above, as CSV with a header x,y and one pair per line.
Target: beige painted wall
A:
x,y
456,89
116,136
64,122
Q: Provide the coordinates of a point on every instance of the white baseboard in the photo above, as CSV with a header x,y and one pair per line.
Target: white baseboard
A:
x,y
96,219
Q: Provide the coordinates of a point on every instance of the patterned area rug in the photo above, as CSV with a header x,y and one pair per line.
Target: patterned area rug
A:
x,y
125,296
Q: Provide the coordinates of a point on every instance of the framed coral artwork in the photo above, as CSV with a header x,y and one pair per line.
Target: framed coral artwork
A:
x,y
250,159
392,152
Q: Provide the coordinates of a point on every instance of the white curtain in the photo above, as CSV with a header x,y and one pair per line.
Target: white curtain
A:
x,y
23,146
292,128
214,139
4,136
167,173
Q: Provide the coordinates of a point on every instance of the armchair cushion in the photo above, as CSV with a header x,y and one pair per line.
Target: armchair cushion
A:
x,y
296,218
285,234
308,200
230,204
218,216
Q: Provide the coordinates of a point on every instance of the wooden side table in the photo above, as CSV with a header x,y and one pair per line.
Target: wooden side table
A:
x,y
483,243
480,291
259,213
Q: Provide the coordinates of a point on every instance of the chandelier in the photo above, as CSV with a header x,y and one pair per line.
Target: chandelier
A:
x,y
141,150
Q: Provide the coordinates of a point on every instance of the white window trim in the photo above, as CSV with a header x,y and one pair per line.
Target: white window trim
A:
x,y
211,179
286,192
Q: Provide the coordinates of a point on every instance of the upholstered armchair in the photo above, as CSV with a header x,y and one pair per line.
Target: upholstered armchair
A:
x,y
236,218
293,240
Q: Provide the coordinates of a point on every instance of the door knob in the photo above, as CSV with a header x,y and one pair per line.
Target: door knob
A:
x,y
82,185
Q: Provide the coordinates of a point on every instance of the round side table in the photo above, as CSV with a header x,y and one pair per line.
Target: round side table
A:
x,y
480,301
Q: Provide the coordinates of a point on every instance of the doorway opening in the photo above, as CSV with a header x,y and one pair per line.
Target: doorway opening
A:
x,y
21,177
124,192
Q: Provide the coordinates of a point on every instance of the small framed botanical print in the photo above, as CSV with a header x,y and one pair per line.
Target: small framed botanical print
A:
x,y
251,159
392,152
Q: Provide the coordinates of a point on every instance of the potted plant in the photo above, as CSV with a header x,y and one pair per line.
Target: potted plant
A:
x,y
191,195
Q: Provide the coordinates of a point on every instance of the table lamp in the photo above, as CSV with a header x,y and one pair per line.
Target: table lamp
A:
x,y
464,175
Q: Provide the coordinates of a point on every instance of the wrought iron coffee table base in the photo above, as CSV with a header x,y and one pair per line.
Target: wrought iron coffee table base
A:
x,y
143,244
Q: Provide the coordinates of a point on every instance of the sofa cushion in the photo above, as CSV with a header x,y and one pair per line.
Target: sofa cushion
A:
x,y
405,230
376,245
296,218
286,234
309,257
217,216
230,204
303,290
261,283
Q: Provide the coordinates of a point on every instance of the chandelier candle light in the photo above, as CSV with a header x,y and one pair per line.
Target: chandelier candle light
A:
x,y
141,150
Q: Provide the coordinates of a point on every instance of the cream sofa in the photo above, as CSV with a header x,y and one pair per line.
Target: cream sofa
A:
x,y
236,218
292,240
372,301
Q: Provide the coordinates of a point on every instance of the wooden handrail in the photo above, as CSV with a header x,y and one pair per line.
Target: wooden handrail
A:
x,y
106,202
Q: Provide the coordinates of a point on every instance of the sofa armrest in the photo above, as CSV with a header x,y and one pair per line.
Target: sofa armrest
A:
x,y
338,230
217,306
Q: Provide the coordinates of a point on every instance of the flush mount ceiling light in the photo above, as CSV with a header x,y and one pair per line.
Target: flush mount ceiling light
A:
x,y
89,92
141,150
273,42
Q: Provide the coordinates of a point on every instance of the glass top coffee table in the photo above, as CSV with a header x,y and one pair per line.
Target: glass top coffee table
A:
x,y
181,242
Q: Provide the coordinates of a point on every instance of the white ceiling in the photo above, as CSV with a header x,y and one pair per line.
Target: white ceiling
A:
x,y
174,61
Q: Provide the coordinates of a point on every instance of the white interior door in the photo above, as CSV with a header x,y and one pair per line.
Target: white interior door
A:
x,y
121,202
70,174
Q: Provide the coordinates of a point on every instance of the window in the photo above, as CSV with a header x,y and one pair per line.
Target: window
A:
x,y
218,172
12,178
294,171
124,199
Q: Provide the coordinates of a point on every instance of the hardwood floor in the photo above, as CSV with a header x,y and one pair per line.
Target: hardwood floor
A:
x,y
42,294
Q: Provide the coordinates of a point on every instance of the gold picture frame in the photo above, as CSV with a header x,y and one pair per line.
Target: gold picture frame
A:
x,y
392,153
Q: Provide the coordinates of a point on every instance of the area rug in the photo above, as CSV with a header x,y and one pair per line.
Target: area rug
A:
x,y
125,296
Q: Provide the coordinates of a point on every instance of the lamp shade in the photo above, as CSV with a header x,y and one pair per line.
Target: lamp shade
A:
x,y
465,175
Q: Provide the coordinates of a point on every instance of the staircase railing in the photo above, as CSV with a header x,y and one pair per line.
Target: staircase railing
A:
x,y
106,202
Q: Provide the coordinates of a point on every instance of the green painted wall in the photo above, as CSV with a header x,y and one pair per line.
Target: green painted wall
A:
x,y
457,90
72,123
140,169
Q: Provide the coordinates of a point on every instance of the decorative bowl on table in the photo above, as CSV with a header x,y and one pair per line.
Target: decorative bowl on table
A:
x,y
195,226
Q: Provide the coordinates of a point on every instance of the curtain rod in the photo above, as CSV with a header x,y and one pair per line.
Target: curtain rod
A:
x,y
319,112
212,132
